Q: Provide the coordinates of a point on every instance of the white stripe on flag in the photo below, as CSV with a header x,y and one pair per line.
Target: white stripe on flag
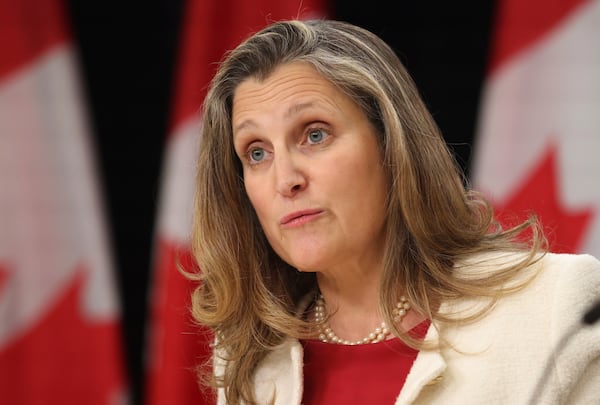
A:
x,y
547,94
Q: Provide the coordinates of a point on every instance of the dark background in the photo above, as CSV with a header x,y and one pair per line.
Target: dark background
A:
x,y
127,51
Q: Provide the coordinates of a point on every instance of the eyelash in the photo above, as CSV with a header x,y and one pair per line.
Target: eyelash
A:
x,y
249,155
310,131
306,139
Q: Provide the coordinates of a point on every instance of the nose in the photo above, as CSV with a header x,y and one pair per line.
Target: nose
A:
x,y
290,177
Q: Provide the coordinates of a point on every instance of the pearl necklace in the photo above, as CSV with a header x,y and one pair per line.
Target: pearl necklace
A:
x,y
378,335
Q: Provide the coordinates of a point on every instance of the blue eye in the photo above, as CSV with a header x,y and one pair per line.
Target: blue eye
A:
x,y
316,136
257,154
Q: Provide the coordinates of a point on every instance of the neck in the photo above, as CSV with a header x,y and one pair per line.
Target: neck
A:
x,y
353,287
352,305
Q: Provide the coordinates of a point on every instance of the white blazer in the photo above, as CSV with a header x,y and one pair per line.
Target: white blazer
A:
x,y
507,350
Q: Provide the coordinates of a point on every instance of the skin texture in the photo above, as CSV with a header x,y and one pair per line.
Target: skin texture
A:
x,y
312,170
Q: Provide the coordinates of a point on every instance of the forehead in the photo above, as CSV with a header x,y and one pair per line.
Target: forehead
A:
x,y
296,83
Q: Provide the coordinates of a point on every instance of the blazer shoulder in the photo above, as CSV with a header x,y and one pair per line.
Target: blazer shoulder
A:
x,y
581,268
574,279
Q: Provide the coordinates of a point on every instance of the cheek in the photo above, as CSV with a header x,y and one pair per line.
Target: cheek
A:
x,y
366,189
262,204
257,196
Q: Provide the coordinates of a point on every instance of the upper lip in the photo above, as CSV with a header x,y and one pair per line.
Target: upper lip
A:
x,y
297,214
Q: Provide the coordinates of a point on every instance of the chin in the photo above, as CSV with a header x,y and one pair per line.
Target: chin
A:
x,y
307,266
300,262
310,258
305,270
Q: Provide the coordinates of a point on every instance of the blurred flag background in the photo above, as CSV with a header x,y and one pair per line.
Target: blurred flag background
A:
x,y
539,135
60,340
145,66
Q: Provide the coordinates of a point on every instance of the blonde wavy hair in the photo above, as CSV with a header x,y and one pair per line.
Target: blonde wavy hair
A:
x,y
246,294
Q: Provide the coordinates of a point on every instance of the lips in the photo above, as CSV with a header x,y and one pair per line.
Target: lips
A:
x,y
300,217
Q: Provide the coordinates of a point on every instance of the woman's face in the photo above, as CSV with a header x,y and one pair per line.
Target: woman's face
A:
x,y
312,170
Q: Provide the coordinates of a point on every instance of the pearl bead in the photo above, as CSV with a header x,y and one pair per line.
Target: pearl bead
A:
x,y
380,333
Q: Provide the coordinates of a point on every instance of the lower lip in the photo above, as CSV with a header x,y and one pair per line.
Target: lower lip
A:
x,y
301,220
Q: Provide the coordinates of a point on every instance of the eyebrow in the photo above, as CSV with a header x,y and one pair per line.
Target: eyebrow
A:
x,y
243,125
298,108
293,110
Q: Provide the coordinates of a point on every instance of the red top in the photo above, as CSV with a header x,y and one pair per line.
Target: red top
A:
x,y
372,373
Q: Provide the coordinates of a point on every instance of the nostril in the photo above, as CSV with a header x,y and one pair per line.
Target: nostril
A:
x,y
296,187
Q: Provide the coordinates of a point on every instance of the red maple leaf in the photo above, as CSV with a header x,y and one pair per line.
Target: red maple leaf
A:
x,y
540,194
64,359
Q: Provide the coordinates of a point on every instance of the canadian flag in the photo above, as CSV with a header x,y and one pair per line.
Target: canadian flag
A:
x,y
538,142
60,339
176,345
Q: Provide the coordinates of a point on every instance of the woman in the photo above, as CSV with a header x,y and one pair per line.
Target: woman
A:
x,y
343,260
